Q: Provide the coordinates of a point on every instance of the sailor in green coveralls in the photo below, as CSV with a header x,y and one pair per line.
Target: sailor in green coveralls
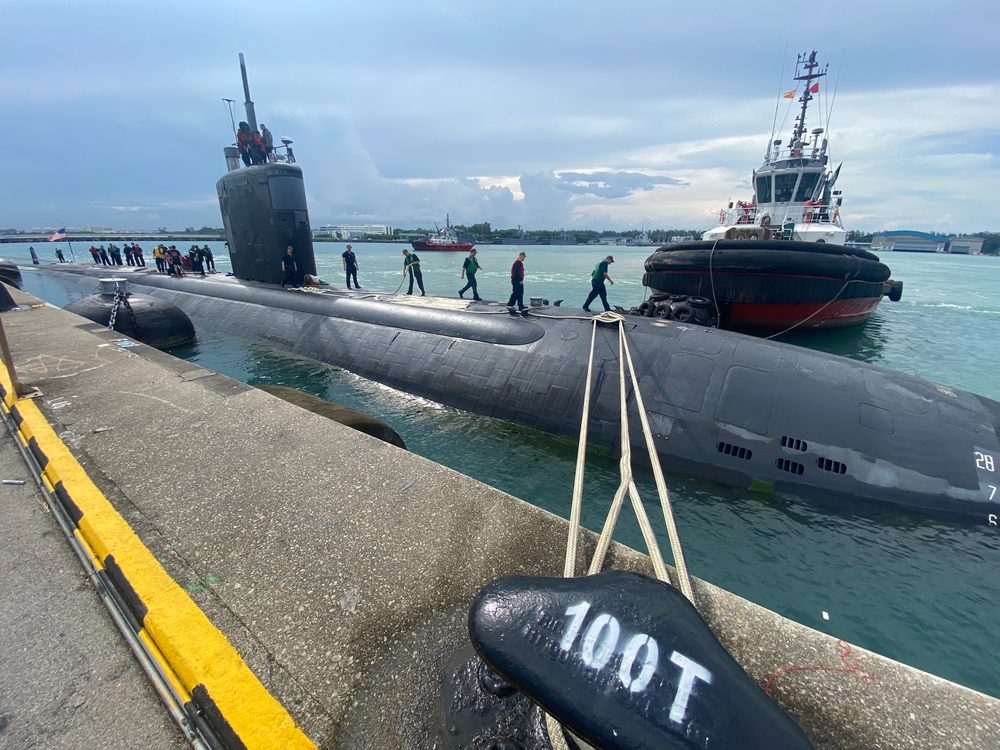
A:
x,y
597,284
469,268
411,263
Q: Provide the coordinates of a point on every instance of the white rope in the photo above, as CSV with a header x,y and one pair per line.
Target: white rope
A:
x,y
627,480
556,737
676,550
627,485
555,730
575,512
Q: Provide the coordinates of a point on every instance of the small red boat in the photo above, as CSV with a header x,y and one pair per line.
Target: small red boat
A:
x,y
445,239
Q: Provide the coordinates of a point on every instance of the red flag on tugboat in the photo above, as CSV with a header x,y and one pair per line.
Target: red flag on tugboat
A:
x,y
814,89
59,234
788,94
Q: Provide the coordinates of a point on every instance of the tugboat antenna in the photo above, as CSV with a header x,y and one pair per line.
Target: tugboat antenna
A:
x,y
251,115
808,65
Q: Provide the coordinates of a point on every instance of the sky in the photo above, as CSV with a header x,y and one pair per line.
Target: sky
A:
x,y
540,114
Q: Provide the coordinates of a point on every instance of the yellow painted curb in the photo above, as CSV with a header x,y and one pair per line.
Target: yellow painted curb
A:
x,y
201,658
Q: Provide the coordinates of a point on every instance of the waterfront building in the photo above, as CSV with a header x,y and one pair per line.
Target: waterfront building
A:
x,y
908,241
352,231
965,245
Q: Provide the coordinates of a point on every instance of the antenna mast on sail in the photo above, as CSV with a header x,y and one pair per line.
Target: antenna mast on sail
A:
x,y
251,115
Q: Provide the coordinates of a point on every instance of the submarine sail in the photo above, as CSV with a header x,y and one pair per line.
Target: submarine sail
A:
x,y
264,209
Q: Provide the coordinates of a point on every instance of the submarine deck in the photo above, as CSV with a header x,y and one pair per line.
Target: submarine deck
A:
x,y
345,587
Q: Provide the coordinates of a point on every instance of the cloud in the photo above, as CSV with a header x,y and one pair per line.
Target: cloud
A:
x,y
610,184
588,115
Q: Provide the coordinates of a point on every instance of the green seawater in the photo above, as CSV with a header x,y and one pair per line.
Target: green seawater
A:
x,y
925,592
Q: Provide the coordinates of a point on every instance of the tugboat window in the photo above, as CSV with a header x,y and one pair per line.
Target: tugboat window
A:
x,y
764,189
784,187
807,185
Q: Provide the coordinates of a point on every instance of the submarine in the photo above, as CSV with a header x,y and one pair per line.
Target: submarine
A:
x,y
724,406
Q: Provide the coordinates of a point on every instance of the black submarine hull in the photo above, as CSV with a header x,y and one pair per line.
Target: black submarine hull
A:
x,y
732,408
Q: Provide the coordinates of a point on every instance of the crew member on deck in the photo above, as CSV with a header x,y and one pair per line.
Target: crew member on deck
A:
x,y
469,268
517,282
598,289
411,263
290,266
176,261
209,258
351,267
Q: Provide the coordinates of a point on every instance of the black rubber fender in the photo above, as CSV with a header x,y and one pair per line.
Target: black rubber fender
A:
x,y
342,414
795,246
9,273
682,312
765,257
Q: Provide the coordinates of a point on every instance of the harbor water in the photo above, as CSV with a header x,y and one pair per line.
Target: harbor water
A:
x,y
923,591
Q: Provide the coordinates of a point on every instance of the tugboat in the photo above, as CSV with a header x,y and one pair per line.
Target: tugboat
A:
x,y
445,239
777,262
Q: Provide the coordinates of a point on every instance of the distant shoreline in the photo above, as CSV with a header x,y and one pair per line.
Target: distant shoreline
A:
x,y
25,238
100,238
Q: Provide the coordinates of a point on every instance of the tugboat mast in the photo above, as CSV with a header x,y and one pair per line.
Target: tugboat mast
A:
x,y
809,74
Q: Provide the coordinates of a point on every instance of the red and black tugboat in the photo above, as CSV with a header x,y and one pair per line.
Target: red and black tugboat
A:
x,y
776,262
445,239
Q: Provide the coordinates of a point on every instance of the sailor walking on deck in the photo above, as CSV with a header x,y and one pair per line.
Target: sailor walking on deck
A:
x,y
517,282
597,280
469,268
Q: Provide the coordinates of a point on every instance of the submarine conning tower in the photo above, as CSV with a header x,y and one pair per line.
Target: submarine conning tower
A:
x,y
264,209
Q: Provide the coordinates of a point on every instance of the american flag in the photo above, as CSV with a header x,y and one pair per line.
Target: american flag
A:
x,y
59,234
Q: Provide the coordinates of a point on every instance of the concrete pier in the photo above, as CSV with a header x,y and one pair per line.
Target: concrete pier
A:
x,y
322,578
67,678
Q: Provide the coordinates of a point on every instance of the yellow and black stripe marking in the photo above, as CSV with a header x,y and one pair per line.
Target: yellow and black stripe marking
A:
x,y
208,677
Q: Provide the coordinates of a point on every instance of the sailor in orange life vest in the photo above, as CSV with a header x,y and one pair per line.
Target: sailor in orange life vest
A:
x,y
810,206
597,283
